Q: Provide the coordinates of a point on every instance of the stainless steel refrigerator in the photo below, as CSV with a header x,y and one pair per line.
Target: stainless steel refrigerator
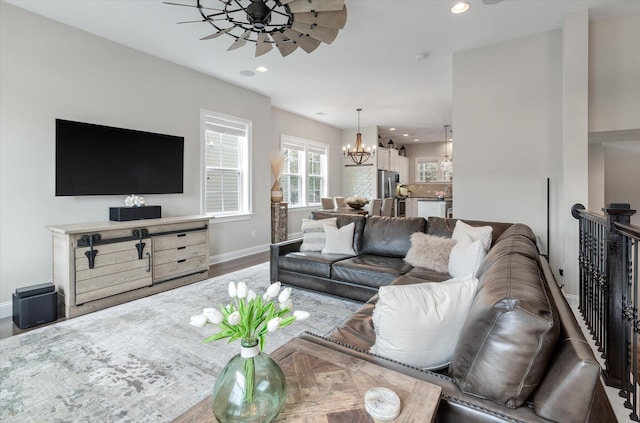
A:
x,y
387,183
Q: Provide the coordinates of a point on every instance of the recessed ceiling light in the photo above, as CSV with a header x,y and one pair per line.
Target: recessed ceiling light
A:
x,y
460,7
405,135
416,139
262,69
247,73
392,129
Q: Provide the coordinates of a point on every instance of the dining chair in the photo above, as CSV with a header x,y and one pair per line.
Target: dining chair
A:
x,y
387,207
340,202
328,203
376,206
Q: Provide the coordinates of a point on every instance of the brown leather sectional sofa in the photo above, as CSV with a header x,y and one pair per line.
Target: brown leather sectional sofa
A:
x,y
521,356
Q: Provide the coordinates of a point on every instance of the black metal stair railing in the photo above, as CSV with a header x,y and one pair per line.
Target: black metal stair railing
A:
x,y
608,264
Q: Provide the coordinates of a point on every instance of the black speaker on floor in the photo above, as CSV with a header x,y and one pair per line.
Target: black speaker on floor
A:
x,y
35,305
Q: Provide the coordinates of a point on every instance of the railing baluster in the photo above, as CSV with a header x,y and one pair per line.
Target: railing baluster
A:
x,y
608,293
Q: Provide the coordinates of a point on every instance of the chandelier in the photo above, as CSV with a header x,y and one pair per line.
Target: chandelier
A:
x,y
446,164
360,153
287,24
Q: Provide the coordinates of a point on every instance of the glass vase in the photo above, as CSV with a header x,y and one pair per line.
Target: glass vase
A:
x,y
251,388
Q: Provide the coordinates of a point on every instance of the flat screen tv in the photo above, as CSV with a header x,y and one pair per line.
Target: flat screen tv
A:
x,y
102,160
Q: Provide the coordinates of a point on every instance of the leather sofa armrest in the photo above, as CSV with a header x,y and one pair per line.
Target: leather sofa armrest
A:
x,y
280,249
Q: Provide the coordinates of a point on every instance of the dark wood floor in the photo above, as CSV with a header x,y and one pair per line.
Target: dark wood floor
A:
x,y
7,328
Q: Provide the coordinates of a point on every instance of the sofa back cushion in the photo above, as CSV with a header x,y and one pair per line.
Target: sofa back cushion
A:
x,y
574,365
345,219
514,244
390,236
440,226
509,335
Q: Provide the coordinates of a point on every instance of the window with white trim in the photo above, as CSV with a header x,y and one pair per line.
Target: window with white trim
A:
x,y
304,176
428,169
226,172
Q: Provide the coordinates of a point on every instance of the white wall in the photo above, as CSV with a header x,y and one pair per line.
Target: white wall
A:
x,y
622,175
428,149
290,124
614,63
522,112
596,178
48,71
506,108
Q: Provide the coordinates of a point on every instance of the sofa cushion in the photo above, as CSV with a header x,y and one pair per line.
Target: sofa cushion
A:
x,y
339,241
429,251
345,219
425,275
510,332
517,229
390,236
476,233
514,244
441,226
311,263
369,270
313,236
419,324
466,257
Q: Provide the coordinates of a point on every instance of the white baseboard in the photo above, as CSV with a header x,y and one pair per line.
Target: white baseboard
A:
x,y
220,258
572,299
6,309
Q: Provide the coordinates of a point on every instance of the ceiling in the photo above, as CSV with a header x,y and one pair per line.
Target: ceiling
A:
x,y
393,58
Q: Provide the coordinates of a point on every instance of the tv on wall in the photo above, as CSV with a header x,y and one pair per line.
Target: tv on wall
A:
x,y
102,160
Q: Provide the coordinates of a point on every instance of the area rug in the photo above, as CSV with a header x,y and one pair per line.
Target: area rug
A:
x,y
136,362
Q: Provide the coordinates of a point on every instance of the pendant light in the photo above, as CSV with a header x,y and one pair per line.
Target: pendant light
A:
x,y
446,164
360,153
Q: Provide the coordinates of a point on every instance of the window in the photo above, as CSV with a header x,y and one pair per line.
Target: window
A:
x,y
304,176
428,170
226,172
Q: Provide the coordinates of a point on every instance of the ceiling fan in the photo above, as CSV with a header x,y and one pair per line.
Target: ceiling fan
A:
x,y
288,24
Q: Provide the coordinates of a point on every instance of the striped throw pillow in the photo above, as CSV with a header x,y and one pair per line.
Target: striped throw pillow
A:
x,y
313,237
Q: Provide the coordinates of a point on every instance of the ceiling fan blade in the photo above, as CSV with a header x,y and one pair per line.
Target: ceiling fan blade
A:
x,y
219,33
284,44
263,45
242,40
298,6
191,5
326,35
335,19
305,42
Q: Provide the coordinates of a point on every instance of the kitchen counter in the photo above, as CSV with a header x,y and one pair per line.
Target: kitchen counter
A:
x,y
428,206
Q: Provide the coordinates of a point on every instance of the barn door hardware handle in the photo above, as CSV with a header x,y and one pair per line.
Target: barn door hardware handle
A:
x,y
91,254
140,233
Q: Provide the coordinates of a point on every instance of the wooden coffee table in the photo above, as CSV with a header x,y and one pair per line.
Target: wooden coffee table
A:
x,y
324,385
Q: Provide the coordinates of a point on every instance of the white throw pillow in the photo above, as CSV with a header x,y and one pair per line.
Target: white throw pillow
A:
x,y
339,241
313,237
430,251
482,233
420,324
466,256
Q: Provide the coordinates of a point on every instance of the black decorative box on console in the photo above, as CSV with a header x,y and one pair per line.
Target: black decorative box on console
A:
x,y
35,305
122,214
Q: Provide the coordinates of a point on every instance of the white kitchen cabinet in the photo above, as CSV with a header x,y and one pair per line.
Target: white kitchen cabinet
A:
x,y
399,164
411,207
382,158
428,208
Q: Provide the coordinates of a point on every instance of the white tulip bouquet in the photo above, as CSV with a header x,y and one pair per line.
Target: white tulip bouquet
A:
x,y
250,318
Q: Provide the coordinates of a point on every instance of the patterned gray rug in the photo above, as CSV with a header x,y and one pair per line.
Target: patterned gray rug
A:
x,y
136,362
